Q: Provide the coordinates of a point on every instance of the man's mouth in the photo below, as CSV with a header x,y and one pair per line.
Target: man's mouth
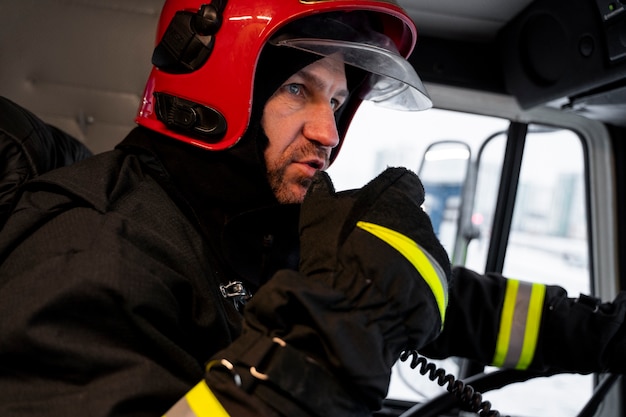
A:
x,y
309,167
317,164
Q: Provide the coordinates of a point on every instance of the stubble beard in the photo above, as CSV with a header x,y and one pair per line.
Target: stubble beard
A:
x,y
281,185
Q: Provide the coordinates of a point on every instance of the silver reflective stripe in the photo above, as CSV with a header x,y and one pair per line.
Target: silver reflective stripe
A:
x,y
520,321
198,402
180,409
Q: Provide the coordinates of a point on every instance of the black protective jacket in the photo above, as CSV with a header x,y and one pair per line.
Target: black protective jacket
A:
x,y
150,320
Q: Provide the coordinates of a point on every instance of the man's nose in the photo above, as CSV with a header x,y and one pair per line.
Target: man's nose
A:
x,y
321,126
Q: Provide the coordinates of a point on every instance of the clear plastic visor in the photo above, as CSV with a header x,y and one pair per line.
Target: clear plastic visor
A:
x,y
393,82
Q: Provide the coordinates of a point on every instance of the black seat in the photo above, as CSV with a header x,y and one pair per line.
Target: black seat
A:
x,y
28,148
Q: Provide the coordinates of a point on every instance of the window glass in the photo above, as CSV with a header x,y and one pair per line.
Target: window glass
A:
x,y
550,220
547,243
381,137
489,167
443,172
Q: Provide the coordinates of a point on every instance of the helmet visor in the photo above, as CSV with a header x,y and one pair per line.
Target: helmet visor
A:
x,y
393,82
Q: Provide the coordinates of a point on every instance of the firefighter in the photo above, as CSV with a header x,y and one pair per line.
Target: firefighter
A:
x,y
209,249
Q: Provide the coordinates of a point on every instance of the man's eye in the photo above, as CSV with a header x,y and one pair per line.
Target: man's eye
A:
x,y
295,89
335,104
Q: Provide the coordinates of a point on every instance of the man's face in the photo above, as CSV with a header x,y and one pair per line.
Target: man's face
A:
x,y
299,121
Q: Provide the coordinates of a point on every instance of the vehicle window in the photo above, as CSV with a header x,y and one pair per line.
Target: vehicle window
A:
x,y
547,243
443,172
549,220
380,137
547,239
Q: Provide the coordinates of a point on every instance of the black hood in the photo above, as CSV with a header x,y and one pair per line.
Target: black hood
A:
x,y
217,188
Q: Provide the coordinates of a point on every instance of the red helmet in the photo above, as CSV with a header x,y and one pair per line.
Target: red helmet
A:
x,y
201,86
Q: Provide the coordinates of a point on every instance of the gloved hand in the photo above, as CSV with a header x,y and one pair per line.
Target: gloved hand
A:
x,y
372,282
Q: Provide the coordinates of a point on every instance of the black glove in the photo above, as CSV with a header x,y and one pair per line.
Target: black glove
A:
x,y
372,282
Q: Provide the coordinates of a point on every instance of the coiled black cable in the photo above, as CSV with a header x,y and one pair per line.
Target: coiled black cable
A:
x,y
469,398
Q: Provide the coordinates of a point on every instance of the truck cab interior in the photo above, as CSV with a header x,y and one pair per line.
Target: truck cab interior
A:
x,y
522,156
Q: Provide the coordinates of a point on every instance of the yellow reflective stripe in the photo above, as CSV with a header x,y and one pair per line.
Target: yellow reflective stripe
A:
x,y
203,403
531,335
506,320
421,260
520,321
